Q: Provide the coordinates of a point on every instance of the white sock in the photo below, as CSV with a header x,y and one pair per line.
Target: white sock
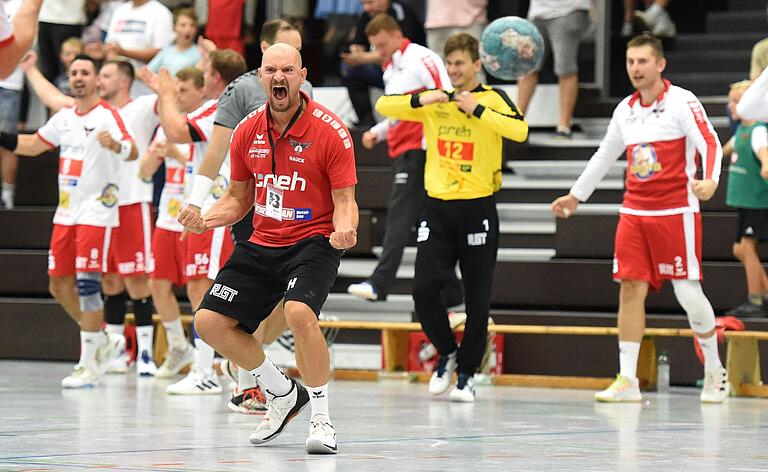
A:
x,y
203,356
245,379
90,342
174,331
6,195
628,353
711,354
318,399
270,377
144,335
116,329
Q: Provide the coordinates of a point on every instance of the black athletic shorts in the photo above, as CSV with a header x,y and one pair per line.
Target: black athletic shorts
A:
x,y
753,223
256,278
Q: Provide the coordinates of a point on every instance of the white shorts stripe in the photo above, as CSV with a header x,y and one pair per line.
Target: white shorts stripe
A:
x,y
146,228
689,227
217,244
105,249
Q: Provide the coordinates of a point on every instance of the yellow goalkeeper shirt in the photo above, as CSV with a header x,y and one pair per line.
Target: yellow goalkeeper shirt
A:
x,y
463,151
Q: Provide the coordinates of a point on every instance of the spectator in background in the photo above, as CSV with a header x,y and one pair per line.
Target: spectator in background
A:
x,y
184,51
655,18
759,59
340,17
228,23
448,17
562,23
137,31
59,20
362,67
748,194
70,48
10,106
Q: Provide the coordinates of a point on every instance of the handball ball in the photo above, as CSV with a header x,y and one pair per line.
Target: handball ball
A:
x,y
511,47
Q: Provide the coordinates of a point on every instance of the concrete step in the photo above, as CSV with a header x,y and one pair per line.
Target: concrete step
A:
x,y
701,84
702,61
730,41
744,21
553,170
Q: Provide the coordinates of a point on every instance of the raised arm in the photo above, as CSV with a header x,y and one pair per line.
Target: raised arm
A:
x,y
345,218
174,123
48,93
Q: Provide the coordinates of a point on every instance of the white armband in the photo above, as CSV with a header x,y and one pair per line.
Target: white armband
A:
x,y
201,188
125,150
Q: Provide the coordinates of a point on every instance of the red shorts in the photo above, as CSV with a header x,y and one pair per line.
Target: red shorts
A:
x,y
130,252
78,248
169,253
207,253
658,248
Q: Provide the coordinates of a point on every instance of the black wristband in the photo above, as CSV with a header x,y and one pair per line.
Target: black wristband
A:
x,y
478,112
415,102
9,141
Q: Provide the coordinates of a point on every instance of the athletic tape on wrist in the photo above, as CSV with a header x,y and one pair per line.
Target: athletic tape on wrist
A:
x,y
201,188
9,141
125,150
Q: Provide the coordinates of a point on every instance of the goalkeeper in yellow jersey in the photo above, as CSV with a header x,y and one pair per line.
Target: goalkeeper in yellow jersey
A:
x,y
463,129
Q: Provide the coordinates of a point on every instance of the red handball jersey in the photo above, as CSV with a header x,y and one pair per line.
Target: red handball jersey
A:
x,y
315,156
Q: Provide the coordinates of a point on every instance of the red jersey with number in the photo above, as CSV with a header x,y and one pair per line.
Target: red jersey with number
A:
x,y
314,157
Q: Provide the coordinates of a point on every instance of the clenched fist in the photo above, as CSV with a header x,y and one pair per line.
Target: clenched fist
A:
x,y
192,220
344,238
106,141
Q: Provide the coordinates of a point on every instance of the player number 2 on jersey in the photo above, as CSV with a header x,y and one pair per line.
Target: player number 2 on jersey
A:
x,y
456,150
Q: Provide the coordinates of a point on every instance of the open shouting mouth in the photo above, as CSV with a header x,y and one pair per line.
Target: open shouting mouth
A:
x,y
280,92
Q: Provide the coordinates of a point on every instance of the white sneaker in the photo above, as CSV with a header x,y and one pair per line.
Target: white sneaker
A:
x,y
322,436
622,389
464,390
280,410
109,351
664,27
716,386
119,365
81,377
364,290
175,360
145,366
197,382
441,378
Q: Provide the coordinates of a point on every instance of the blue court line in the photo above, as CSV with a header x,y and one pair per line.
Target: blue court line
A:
x,y
384,441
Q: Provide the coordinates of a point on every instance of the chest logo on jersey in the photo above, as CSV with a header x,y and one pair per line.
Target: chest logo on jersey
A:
x,y
284,182
108,196
645,162
458,131
259,139
258,153
88,130
299,147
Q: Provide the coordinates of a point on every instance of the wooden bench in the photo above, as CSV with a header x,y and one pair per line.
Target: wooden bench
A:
x,y
743,358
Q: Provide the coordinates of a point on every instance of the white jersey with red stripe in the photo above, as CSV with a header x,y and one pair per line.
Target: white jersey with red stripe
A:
x,y
88,173
6,28
172,196
413,68
665,143
140,114
201,120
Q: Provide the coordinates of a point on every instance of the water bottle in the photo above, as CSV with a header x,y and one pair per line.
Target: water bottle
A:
x,y
662,373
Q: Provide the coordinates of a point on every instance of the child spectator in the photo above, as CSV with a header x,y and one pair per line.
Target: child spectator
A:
x,y
748,193
183,52
70,48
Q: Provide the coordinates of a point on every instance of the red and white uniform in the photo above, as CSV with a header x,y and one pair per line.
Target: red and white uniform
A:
x,y
315,157
413,68
130,251
6,28
88,191
168,250
207,252
665,143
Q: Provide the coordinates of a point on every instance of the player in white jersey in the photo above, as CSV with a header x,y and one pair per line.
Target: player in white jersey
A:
x,y
130,256
169,248
666,135
206,253
93,142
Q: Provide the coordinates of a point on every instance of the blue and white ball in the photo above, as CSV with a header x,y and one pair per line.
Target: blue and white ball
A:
x,y
511,47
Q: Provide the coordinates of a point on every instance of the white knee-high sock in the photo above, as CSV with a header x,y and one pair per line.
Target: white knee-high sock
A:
x,y
629,352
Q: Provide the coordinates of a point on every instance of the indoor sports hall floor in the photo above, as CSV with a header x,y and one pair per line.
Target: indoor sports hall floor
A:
x,y
130,424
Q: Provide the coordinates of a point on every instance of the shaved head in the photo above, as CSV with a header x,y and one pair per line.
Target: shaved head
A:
x,y
281,76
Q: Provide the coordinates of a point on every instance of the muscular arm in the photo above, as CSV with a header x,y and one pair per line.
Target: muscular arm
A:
x,y
30,145
232,206
47,92
24,32
345,218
